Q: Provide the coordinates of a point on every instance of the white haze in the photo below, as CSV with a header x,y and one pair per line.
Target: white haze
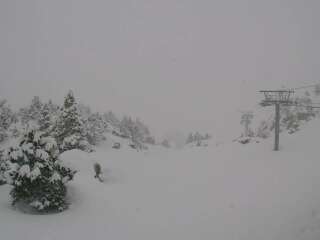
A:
x,y
178,65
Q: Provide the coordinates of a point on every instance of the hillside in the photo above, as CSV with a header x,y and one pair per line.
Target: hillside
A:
x,y
232,191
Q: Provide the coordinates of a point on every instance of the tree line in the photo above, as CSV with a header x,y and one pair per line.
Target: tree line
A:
x,y
73,125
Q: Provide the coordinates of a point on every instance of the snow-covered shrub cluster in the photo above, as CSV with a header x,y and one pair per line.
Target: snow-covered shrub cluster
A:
x,y
37,175
137,132
197,138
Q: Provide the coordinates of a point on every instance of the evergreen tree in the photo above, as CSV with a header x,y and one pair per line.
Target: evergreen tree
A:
x,y
126,126
2,168
45,120
95,127
16,130
207,136
31,114
198,138
112,119
37,175
143,130
131,130
85,111
35,108
317,90
246,120
190,138
6,119
69,130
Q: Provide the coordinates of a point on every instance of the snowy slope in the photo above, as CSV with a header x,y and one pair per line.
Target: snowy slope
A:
x,y
234,191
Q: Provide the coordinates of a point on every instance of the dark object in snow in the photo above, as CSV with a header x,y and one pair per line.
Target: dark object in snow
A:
x,y
244,140
116,145
115,133
133,146
2,182
98,172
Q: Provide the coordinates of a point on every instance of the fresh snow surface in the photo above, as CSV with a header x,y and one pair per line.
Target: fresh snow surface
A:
x,y
229,192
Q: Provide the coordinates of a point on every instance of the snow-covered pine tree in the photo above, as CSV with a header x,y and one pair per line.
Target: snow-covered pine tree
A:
x,y
130,129
198,138
6,119
112,119
30,115
126,126
35,108
37,175
143,130
95,126
246,120
16,130
84,110
69,129
53,108
45,121
190,138
317,90
207,136
2,169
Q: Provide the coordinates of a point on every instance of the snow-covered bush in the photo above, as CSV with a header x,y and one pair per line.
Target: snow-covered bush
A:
x,y
37,175
197,139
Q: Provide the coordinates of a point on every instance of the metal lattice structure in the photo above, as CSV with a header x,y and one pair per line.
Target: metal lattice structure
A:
x,y
277,98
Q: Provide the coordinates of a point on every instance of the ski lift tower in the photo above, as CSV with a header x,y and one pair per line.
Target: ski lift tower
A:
x,y
277,98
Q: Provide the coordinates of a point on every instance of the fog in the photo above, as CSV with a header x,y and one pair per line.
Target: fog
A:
x,y
178,65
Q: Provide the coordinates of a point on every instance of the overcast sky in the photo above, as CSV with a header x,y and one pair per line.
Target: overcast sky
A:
x,y
188,65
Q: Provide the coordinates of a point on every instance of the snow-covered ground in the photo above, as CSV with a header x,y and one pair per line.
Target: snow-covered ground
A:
x,y
229,192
